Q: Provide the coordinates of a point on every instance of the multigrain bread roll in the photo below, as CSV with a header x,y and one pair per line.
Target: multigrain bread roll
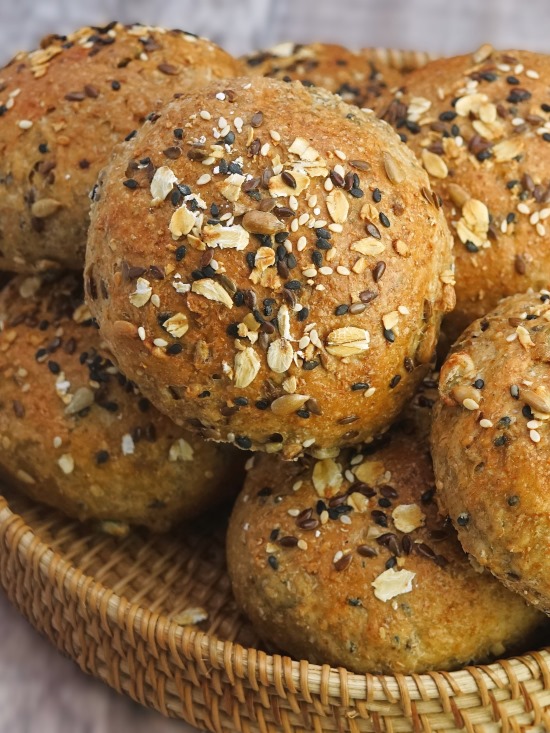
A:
x,y
279,281
356,77
62,109
491,443
480,123
75,434
347,562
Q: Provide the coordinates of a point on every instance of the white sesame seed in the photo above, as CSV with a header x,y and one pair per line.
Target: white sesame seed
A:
x,y
309,272
304,342
57,442
293,512
220,96
523,208
204,179
532,74
326,270
403,310
294,226
534,424
66,463
369,392
320,287
340,170
205,114
345,519
535,436
511,337
336,228
297,485
337,556
264,150
470,404
24,124
293,202
518,121
308,443
328,184
155,300
302,544
312,201
541,229
485,423
341,270
301,244
534,218
225,129
303,218
128,445
275,135
544,214
238,122
340,154
161,343
504,226
141,333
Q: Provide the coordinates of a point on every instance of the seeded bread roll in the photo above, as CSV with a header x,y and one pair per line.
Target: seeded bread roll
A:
x,y
280,284
75,434
63,108
481,125
347,562
491,443
356,77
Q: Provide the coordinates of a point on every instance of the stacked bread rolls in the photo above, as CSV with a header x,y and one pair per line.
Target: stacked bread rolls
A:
x,y
266,268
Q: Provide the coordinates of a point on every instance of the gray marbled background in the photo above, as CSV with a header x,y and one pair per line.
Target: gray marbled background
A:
x,y
41,692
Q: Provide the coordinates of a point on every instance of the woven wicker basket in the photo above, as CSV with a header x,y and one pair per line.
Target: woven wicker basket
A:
x,y
115,606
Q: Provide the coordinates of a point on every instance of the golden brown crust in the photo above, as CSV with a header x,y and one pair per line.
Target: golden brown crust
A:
x,y
63,108
75,434
355,76
490,442
308,540
316,308
481,124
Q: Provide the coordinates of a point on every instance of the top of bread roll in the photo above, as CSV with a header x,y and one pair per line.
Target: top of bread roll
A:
x,y
62,109
480,123
355,76
77,435
346,561
491,442
278,278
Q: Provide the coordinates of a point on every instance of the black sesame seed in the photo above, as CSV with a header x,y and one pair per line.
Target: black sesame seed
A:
x,y
273,562
384,220
513,500
181,251
395,381
54,367
243,442
174,349
115,85
479,384
293,285
377,195
546,137
303,314
323,233
378,271
512,80
463,520
101,457
447,116
514,391
471,247
130,183
359,386
356,192
499,441
261,404
43,148
341,310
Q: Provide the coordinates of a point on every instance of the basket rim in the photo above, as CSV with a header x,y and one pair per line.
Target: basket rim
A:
x,y
249,663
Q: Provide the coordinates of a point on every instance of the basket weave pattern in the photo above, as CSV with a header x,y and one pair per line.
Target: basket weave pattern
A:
x,y
108,604
112,606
